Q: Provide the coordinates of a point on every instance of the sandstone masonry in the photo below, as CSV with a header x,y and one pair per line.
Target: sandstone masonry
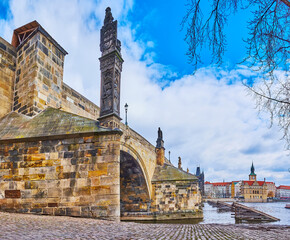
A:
x,y
60,154
7,74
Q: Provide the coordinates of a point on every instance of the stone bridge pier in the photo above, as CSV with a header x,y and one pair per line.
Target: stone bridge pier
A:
x,y
151,188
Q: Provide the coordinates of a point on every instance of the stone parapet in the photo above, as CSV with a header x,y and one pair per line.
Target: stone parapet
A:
x,y
74,102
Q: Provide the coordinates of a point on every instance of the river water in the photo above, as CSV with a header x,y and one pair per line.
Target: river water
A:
x,y
213,215
276,209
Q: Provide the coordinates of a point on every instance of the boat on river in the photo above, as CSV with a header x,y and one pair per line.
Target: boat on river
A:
x,y
287,206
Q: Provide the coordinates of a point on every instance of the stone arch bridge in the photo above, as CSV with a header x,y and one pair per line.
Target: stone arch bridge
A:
x,y
60,154
63,164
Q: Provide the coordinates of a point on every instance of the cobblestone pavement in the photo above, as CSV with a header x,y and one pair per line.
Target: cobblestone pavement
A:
x,y
21,226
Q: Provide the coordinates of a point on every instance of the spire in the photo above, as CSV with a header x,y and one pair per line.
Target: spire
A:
x,y
252,176
197,171
253,169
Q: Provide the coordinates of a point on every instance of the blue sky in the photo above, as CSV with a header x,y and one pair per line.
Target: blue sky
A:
x,y
4,9
160,22
207,119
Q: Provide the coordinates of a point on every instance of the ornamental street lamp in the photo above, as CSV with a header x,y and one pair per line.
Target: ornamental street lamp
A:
x,y
169,155
126,111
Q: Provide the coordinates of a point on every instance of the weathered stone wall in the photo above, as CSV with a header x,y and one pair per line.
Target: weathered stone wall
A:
x,y
134,191
7,73
74,102
174,196
140,149
74,177
39,75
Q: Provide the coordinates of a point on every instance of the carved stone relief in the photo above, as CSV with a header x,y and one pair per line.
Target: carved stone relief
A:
x,y
108,38
116,91
107,90
107,63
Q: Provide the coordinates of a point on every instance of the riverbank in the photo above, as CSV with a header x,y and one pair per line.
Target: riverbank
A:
x,y
24,226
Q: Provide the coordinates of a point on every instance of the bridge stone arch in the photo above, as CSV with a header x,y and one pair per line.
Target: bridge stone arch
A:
x,y
126,148
134,188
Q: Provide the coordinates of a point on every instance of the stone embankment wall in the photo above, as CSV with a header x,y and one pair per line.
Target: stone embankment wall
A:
x,y
7,75
75,176
176,196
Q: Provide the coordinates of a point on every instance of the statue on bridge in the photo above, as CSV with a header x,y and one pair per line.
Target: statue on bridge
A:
x,y
160,148
160,142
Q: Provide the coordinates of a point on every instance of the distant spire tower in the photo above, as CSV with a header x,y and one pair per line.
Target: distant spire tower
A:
x,y
252,176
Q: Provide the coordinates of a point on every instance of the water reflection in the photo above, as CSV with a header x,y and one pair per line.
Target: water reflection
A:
x,y
213,215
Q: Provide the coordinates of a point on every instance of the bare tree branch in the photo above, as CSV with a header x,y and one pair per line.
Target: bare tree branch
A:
x,y
287,3
268,48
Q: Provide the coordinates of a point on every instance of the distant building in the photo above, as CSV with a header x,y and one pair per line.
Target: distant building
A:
x,y
208,189
222,189
253,190
283,192
271,189
217,189
200,177
236,189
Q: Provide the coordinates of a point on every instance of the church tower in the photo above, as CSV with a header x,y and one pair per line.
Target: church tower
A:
x,y
111,66
252,176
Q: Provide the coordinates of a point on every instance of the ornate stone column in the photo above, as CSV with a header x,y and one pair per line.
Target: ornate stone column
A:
x,y
111,66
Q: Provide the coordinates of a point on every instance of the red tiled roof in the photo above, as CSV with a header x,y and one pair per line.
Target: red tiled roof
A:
x,y
221,183
207,182
270,183
284,187
250,183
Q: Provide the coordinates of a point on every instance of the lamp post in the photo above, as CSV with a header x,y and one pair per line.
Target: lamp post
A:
x,y
126,111
169,155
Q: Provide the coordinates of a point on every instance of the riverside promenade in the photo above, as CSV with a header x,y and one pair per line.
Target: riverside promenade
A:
x,y
24,226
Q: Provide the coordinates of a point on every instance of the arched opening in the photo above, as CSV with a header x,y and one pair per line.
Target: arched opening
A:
x,y
134,194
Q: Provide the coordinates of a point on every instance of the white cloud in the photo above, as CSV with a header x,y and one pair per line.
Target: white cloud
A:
x,y
207,119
